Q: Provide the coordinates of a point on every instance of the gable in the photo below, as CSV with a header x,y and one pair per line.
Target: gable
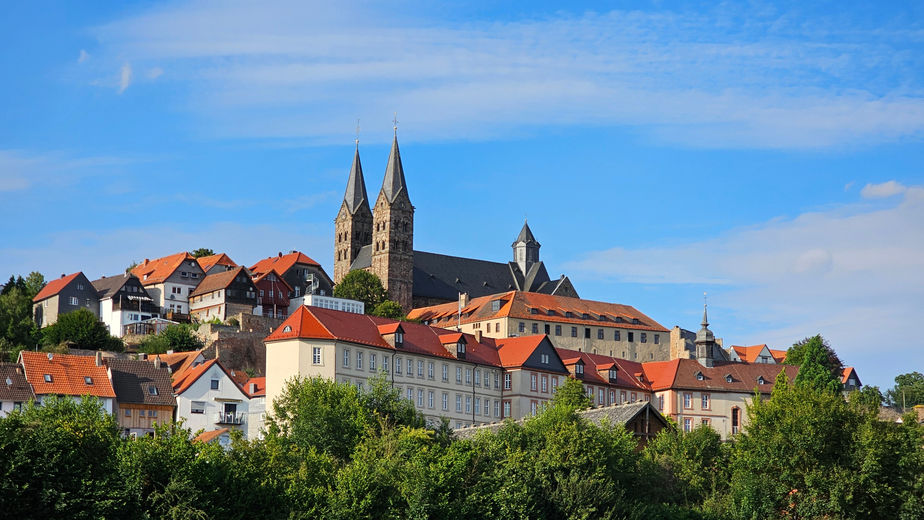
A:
x,y
555,363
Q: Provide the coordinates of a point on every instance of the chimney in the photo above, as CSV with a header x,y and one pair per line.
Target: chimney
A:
x,y
253,388
280,254
463,299
145,261
478,336
50,356
99,358
216,351
293,252
63,275
169,352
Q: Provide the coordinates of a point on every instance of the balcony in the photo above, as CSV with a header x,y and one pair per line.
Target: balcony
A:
x,y
230,418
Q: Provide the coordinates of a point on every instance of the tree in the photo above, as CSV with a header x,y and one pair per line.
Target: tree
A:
x,y
907,392
796,354
388,309
385,401
179,338
693,465
867,399
17,327
132,266
83,330
60,461
362,286
571,394
202,251
815,366
33,283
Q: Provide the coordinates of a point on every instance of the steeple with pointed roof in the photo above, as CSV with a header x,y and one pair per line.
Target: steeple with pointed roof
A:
x,y
526,249
394,184
355,196
705,342
353,224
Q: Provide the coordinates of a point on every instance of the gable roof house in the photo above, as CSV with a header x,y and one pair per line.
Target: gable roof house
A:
x,y
216,263
68,375
169,281
123,301
144,395
222,295
272,295
756,354
15,390
208,398
65,294
255,388
304,275
584,325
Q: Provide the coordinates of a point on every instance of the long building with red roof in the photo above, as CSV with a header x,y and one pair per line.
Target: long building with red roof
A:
x,y
68,375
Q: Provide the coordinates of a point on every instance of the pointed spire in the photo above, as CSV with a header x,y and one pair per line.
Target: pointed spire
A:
x,y
394,181
526,235
704,334
355,196
705,322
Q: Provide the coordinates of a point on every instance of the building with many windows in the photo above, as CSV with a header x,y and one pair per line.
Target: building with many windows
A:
x,y
66,294
170,280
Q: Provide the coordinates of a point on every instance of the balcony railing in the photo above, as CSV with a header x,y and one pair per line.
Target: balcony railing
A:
x,y
230,418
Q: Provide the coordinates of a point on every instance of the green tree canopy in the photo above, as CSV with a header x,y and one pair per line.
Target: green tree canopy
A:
x,y
571,395
82,329
202,251
362,286
179,338
388,309
907,392
814,369
796,354
33,283
17,327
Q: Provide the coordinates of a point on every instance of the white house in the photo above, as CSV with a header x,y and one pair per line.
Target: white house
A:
x,y
208,399
123,301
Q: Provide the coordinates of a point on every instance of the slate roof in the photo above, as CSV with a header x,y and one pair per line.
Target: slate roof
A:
x,y
282,263
109,285
526,235
55,286
393,183
160,269
216,282
68,373
519,304
133,379
13,384
355,196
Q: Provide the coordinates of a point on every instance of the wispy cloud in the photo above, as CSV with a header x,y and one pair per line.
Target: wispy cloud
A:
x,y
726,77
854,273
22,170
155,73
125,77
83,56
882,190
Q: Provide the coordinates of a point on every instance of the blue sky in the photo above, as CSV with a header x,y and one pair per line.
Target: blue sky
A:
x,y
769,154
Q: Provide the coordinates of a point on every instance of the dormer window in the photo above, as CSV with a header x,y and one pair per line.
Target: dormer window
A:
x,y
152,390
579,370
700,376
287,328
47,378
495,305
585,316
635,321
550,312
533,310
569,314
613,374
728,378
544,358
761,381
460,350
399,338
88,380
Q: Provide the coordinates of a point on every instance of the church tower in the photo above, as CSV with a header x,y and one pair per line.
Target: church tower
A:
x,y
705,343
353,225
393,233
525,249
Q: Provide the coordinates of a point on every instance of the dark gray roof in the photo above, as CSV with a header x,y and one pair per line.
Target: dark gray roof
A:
x,y
13,384
355,196
526,235
109,285
394,181
132,379
363,258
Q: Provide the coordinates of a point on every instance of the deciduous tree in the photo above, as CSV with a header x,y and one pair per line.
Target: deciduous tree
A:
x,y
81,329
362,286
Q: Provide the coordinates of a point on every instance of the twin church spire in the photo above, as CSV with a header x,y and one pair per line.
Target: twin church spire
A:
x,y
393,184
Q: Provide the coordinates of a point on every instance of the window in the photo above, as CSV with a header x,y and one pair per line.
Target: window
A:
x,y
495,305
458,374
496,384
506,381
558,330
477,406
599,333
700,376
372,360
544,358
385,364
688,400
545,384
128,412
616,335
631,337
579,369
47,378
533,406
430,399
152,413
410,394
634,397
197,407
359,360
140,413
612,397
458,402
214,384
573,332
554,383
430,370
398,365
399,338
152,390
705,401
533,385
705,422
487,408
80,287
586,333
477,378
346,358
410,368
420,369
548,328
468,404
728,378
657,339
506,408
445,373
687,425
622,396
468,376
73,300
316,355
600,398
445,401
535,328
496,408
522,327
760,380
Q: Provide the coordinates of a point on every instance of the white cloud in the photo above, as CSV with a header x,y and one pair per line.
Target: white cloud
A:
x,y
853,273
125,77
155,73
290,69
21,170
882,190
84,56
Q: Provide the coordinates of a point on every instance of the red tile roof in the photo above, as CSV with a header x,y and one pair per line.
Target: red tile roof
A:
x,y
207,262
157,270
178,361
183,380
207,437
749,354
216,282
282,263
55,286
519,305
260,390
778,355
846,373
682,374
68,373
513,352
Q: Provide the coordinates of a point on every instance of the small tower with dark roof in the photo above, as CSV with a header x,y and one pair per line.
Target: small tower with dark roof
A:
x,y
353,225
393,232
705,342
526,249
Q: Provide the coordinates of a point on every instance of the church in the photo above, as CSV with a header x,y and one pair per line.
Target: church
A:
x,y
380,239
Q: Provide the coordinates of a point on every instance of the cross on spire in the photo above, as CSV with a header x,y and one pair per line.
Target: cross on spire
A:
x,y
395,123
357,132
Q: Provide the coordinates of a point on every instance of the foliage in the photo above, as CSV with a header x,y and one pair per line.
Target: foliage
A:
x,y
907,392
796,354
385,401
178,338
388,309
867,399
571,394
60,462
17,327
690,467
814,366
362,286
132,266
202,251
81,329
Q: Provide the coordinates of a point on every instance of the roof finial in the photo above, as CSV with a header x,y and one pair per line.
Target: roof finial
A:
x,y
705,302
395,123
357,133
